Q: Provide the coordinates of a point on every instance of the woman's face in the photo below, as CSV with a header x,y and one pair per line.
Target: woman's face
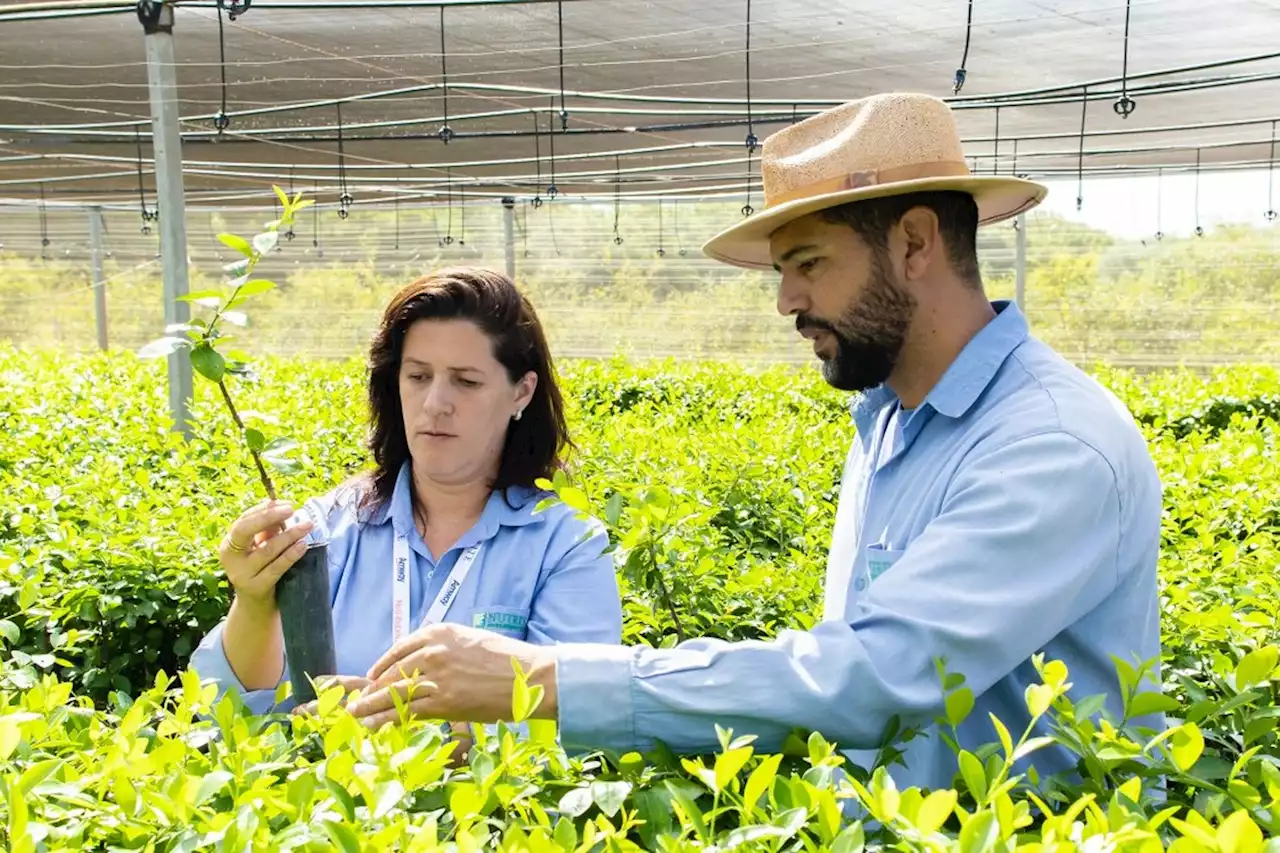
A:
x,y
457,401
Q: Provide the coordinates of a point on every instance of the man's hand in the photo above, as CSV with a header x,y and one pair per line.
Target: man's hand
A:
x,y
451,672
348,683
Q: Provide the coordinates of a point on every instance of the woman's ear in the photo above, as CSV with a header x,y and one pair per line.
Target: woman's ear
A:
x,y
524,390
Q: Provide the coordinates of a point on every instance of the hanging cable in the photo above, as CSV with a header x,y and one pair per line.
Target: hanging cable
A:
x,y
44,228
445,132
995,157
448,236
462,209
1084,107
1124,105
747,209
289,235
1199,230
958,83
221,121
751,140
1014,170
537,158
617,199
345,200
552,192
662,253
523,224
1271,178
315,222
147,217
564,111
679,238
1159,205
551,223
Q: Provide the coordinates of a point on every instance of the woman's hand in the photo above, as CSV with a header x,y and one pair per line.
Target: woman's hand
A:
x,y
257,550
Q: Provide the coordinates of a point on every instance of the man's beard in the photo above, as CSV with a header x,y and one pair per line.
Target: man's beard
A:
x,y
870,334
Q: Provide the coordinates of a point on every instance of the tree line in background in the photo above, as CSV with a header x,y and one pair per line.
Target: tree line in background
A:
x,y
1194,300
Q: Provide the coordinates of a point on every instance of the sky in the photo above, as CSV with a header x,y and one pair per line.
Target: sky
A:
x,y
1127,206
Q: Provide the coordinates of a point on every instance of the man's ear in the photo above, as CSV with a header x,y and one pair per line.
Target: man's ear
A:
x,y
921,240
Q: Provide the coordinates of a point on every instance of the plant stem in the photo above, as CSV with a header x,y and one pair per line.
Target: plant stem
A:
x,y
257,460
666,596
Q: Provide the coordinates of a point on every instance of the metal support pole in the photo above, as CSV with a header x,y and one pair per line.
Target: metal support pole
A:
x,y
1020,289
99,280
509,231
157,22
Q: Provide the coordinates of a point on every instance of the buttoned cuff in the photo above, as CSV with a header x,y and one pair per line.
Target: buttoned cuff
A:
x,y
594,697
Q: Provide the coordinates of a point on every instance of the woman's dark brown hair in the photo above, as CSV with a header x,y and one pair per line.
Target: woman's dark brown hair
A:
x,y
490,300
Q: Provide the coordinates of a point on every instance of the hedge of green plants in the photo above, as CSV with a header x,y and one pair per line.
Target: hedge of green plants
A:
x,y
718,480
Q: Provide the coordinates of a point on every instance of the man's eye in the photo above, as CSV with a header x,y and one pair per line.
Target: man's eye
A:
x,y
808,265
469,383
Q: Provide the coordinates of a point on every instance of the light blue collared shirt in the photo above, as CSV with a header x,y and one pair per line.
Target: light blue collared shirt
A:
x,y
543,577
1016,510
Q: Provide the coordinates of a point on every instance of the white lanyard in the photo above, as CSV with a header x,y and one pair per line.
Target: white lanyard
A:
x,y
400,571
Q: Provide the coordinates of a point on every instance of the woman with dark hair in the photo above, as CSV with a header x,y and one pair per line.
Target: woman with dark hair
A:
x,y
465,417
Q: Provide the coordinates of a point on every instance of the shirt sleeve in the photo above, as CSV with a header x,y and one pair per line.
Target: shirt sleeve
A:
x,y
1025,544
210,662
577,600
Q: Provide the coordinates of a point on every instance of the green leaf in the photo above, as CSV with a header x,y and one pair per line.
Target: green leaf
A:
x,y
575,803
728,764
10,737
343,836
203,294
566,835
10,631
851,840
575,498
959,705
254,439
1039,698
1006,740
980,833
1239,834
208,362
1151,703
935,810
162,347
236,318
609,796
253,287
1256,667
265,241
760,781
240,244
1186,746
975,778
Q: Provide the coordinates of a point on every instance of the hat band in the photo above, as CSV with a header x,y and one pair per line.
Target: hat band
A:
x,y
872,178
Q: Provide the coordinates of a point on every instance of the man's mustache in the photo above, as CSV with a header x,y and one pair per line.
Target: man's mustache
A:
x,y
804,321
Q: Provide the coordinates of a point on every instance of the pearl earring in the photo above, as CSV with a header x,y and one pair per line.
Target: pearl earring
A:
x,y
519,412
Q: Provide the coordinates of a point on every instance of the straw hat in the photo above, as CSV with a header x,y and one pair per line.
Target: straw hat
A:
x,y
878,146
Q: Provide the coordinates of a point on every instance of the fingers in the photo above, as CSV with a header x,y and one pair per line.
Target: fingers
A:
x,y
244,531
349,684
393,662
380,704
279,553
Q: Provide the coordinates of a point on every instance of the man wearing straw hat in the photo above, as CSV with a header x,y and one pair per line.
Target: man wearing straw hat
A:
x,y
996,502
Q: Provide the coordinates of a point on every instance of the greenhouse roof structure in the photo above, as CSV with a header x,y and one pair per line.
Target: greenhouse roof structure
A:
x,y
612,98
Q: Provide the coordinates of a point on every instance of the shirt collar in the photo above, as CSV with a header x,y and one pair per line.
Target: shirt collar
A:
x,y
967,377
514,507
